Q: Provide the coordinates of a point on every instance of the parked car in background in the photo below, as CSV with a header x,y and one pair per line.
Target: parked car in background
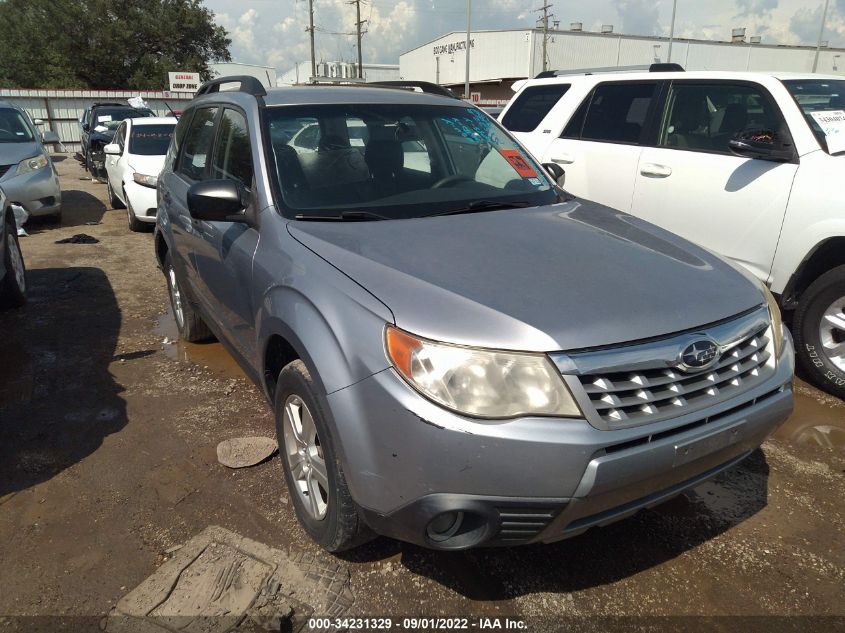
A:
x,y
97,127
748,165
12,268
458,352
134,159
27,173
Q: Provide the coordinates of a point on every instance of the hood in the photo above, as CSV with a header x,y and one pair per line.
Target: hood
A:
x,y
149,165
563,277
13,153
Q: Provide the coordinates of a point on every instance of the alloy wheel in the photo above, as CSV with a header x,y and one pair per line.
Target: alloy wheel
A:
x,y
16,260
176,298
304,456
832,333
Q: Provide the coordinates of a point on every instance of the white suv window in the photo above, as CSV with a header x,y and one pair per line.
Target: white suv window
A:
x,y
705,117
617,112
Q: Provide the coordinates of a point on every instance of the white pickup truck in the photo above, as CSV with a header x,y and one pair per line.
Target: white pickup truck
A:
x,y
749,165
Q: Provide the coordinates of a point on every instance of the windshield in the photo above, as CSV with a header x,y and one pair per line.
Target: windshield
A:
x,y
150,140
110,118
823,103
14,127
398,161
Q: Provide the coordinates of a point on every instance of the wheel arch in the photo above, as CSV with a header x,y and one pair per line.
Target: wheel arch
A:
x,y
825,256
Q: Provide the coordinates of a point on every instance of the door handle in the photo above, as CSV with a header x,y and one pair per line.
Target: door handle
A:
x,y
654,170
563,159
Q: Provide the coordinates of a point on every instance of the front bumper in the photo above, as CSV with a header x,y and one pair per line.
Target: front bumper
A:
x,y
39,192
408,461
142,200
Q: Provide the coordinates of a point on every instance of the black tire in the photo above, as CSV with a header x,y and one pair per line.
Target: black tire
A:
x,y
135,225
114,201
342,527
12,292
823,293
89,167
55,218
190,325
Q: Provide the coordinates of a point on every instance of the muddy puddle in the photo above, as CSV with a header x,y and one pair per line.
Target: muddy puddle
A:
x,y
818,419
211,355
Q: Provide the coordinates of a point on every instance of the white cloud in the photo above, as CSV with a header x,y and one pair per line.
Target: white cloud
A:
x,y
273,31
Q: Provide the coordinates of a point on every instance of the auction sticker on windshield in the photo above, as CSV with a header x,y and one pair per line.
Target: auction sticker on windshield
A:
x,y
832,123
518,162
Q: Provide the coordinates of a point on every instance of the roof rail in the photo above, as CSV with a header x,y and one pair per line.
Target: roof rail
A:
x,y
246,83
650,68
423,86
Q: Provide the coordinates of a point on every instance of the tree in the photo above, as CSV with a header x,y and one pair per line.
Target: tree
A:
x,y
118,44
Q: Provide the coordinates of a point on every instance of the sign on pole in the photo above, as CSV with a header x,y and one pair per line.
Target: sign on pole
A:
x,y
184,82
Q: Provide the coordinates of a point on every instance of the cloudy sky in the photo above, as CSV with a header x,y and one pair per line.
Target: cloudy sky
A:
x,y
271,32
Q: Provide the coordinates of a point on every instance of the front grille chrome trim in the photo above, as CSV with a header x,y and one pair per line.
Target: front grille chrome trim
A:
x,y
640,384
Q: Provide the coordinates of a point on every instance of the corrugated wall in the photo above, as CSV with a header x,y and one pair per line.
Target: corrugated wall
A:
x,y
60,109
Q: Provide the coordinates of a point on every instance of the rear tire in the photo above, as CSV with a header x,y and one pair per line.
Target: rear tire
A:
x,y
819,330
13,286
114,201
190,325
318,491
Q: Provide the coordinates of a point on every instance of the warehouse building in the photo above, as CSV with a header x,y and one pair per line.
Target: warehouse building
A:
x,y
338,71
497,58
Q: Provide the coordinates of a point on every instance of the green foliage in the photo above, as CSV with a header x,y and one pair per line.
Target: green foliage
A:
x,y
122,44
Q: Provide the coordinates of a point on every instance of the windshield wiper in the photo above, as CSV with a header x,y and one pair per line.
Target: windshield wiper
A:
x,y
486,205
346,216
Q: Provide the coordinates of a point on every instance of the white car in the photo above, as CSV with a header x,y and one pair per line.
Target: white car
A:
x,y
133,162
746,164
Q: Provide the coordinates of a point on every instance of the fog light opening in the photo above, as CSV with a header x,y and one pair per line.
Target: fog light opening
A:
x,y
444,526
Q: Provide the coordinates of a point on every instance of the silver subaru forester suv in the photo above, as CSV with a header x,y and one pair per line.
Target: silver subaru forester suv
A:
x,y
458,352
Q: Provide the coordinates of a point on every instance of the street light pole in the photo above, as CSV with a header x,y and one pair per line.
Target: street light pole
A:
x,y
672,30
469,18
821,35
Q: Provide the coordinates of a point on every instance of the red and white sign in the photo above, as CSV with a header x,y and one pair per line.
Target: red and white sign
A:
x,y
184,82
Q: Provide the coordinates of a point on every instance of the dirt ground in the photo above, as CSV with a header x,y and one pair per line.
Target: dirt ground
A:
x,y
107,461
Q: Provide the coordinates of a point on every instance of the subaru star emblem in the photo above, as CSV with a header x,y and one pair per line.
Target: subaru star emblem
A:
x,y
699,355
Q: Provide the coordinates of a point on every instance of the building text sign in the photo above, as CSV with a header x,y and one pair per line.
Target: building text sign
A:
x,y
452,47
184,82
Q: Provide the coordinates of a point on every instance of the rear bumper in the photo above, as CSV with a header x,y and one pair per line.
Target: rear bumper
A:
x,y
534,480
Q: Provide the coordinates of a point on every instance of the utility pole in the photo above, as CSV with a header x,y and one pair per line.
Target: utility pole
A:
x,y
672,30
821,35
469,29
545,22
310,29
358,24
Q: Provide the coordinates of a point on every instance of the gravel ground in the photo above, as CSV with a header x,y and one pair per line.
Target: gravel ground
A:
x,y
108,435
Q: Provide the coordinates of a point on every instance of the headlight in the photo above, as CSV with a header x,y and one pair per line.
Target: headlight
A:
x,y
146,181
32,164
777,322
478,382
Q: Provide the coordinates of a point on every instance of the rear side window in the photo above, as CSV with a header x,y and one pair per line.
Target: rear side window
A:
x,y
232,153
618,112
176,141
531,107
197,144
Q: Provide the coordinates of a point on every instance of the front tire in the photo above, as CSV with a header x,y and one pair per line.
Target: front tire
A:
x,y
312,471
135,225
190,325
114,201
13,286
819,329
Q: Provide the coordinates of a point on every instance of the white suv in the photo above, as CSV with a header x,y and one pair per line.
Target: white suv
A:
x,y
746,164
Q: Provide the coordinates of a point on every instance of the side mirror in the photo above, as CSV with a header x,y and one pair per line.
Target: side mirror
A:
x,y
761,144
556,172
49,137
85,127
112,149
217,201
